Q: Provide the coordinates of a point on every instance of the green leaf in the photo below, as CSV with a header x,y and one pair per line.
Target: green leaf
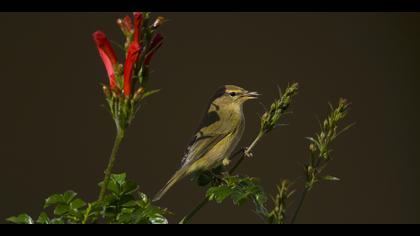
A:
x,y
57,221
116,182
148,93
130,204
129,187
151,215
125,216
330,178
61,209
219,193
239,189
119,179
43,218
245,193
53,200
158,219
69,196
77,203
112,187
21,219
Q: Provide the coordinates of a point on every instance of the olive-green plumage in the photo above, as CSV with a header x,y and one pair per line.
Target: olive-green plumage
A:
x,y
218,134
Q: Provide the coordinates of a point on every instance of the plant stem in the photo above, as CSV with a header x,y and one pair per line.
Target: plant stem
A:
x,y
248,150
111,162
302,198
188,217
86,215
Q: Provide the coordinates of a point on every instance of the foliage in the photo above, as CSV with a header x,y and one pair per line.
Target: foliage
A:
x,y
319,146
278,108
123,205
121,202
238,189
278,214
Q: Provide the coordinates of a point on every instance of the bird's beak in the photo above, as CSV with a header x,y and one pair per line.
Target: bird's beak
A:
x,y
252,95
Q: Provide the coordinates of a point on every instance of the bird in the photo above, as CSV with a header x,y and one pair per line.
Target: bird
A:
x,y
217,135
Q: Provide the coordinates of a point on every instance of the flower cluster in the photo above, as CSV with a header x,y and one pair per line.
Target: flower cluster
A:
x,y
127,82
270,118
319,146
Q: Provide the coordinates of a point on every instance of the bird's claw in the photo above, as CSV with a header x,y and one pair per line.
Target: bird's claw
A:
x,y
248,153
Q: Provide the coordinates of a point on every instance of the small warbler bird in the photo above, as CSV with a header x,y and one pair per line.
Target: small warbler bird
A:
x,y
218,134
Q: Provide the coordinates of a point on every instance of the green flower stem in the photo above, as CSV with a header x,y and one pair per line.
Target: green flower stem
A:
x,y
301,200
188,217
111,162
86,215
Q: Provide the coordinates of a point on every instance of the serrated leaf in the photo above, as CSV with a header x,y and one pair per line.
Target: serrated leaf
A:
x,y
119,179
21,219
113,187
61,209
219,193
330,178
43,218
125,216
53,200
77,203
130,187
68,196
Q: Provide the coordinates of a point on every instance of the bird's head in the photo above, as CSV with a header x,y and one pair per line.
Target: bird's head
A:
x,y
231,95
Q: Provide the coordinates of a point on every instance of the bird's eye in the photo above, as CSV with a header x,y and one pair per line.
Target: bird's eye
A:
x,y
233,94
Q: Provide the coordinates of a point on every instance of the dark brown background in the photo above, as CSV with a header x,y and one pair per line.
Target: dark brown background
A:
x,y
56,135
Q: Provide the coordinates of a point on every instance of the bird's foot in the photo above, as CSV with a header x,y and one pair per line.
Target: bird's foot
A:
x,y
248,153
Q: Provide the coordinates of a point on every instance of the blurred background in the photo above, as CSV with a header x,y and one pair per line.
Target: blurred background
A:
x,y
57,135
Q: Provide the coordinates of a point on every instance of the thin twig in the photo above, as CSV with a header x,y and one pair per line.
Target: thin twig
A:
x,y
301,200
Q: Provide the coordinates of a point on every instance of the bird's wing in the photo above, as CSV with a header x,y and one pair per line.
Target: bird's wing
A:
x,y
200,145
212,131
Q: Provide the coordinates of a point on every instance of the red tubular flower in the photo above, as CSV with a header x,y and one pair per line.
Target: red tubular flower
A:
x,y
132,57
107,54
138,19
157,42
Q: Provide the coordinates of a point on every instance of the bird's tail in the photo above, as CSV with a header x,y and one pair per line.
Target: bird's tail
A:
x,y
175,178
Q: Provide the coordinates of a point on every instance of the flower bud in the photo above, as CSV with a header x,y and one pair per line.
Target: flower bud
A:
x,y
158,22
312,147
138,94
120,23
106,91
